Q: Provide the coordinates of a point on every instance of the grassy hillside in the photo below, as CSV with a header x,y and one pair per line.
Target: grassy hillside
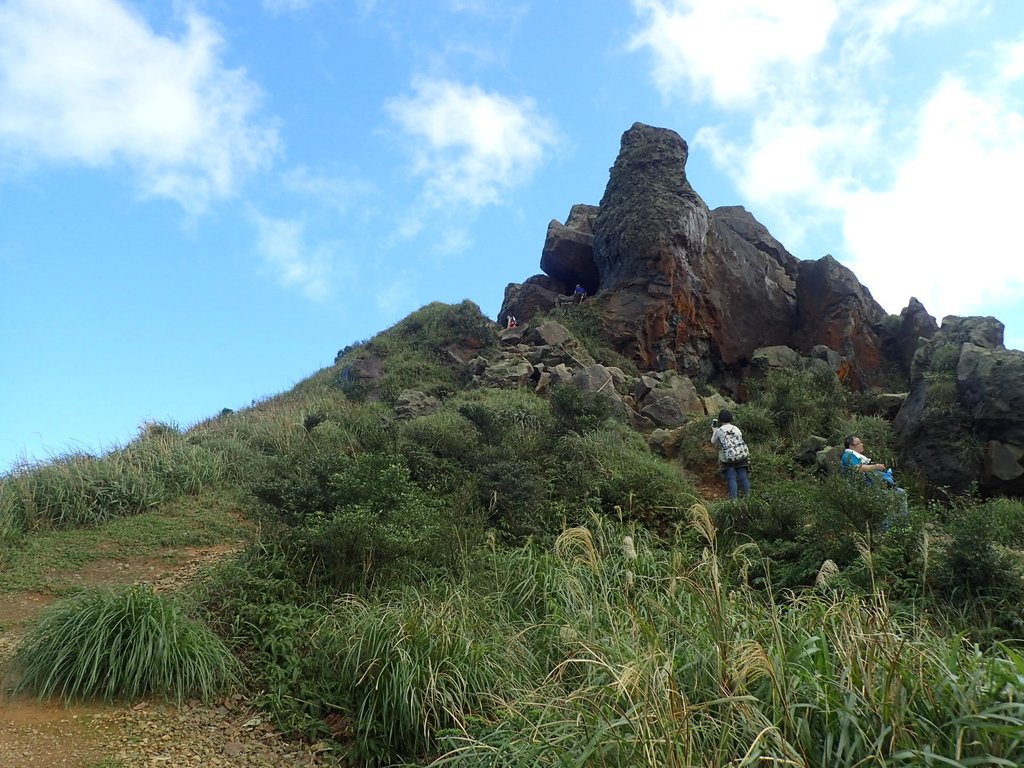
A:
x,y
518,580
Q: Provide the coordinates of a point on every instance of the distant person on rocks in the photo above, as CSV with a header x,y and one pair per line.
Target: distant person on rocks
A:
x,y
512,322
733,454
579,294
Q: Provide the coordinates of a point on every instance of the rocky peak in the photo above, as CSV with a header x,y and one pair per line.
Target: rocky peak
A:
x,y
650,220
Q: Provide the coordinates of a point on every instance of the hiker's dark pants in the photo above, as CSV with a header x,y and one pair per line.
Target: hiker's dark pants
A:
x,y
734,475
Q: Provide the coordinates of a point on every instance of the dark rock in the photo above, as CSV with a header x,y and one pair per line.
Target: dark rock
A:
x,y
550,333
364,370
665,442
507,373
838,312
649,225
664,411
464,351
828,459
568,254
1003,462
779,356
807,453
963,420
751,283
915,324
829,356
510,337
991,386
412,403
537,295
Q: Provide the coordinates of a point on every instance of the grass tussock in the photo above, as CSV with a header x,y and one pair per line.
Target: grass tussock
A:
x,y
124,644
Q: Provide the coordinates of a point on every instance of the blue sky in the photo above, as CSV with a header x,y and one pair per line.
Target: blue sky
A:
x,y
201,202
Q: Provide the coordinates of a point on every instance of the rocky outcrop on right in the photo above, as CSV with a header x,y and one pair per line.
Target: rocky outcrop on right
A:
x,y
679,287
712,296
963,420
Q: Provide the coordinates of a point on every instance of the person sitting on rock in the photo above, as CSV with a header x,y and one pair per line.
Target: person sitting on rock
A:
x,y
579,294
853,461
512,322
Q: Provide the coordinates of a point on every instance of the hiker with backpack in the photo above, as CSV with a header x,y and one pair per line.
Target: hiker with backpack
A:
x,y
733,454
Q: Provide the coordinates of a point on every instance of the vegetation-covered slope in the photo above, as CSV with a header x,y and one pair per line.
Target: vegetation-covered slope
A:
x,y
518,580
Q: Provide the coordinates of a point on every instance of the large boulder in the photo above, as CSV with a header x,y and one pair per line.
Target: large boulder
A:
x,y
751,284
915,325
963,420
650,226
568,254
536,295
699,291
837,311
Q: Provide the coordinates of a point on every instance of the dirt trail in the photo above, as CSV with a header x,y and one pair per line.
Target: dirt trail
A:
x,y
48,734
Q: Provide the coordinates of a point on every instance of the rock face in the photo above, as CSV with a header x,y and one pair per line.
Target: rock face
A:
x,y
711,296
680,287
837,311
568,255
963,420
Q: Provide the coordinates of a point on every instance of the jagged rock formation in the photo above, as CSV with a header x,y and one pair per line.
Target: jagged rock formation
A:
x,y
963,421
683,288
710,295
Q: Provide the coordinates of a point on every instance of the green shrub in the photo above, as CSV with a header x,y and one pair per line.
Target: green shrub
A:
x,y
518,496
515,422
1007,517
356,518
125,643
436,326
446,434
415,350
269,620
614,468
798,404
578,410
414,371
972,565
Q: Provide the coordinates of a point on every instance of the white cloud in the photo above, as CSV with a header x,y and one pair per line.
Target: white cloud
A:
x,y
90,82
471,146
731,52
940,228
920,184
283,6
281,243
338,193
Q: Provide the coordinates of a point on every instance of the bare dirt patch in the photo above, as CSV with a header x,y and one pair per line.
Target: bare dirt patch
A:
x,y
51,735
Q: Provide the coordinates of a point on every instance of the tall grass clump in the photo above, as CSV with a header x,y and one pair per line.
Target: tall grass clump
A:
x,y
79,489
664,662
788,405
125,643
414,665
